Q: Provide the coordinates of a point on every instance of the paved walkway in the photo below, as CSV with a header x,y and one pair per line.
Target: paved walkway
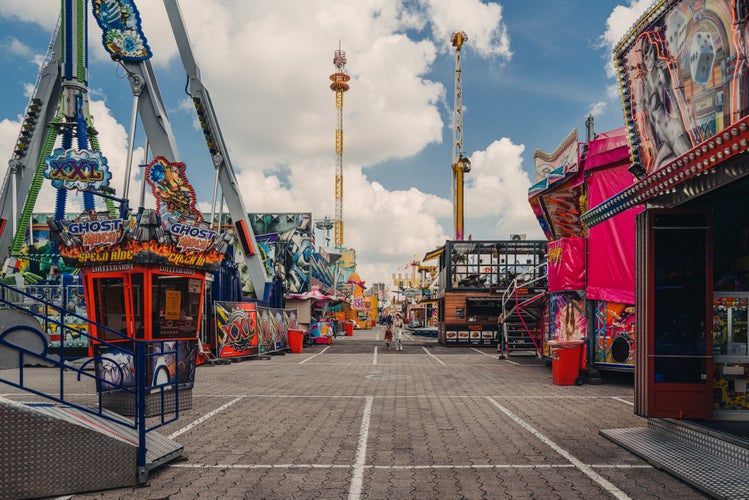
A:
x,y
352,420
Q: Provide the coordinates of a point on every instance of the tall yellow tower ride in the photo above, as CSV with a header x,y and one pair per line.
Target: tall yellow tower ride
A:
x,y
460,164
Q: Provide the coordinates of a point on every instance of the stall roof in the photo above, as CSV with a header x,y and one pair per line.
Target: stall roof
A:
x,y
314,294
607,148
434,254
684,177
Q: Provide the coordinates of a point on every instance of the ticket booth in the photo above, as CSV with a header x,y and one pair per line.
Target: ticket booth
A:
x,y
157,304
144,281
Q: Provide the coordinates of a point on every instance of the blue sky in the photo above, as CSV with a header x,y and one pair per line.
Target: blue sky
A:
x,y
532,71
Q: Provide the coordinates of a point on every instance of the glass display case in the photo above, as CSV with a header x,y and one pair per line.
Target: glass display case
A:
x,y
730,354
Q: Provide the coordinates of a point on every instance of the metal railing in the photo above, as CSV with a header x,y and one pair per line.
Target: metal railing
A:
x,y
140,351
513,304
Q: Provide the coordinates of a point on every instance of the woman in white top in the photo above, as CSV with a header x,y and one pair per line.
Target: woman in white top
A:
x,y
398,332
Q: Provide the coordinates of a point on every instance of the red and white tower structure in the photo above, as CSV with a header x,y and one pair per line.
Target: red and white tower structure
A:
x,y
339,86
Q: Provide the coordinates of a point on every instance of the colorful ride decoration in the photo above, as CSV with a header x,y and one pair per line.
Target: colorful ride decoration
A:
x,y
74,169
684,76
94,239
175,196
245,329
120,24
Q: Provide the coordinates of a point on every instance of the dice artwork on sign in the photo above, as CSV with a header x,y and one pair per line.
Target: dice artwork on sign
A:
x,y
676,27
701,57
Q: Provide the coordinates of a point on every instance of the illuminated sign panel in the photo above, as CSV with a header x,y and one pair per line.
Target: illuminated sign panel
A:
x,y
683,76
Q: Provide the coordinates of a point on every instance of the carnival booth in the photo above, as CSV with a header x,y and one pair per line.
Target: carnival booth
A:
x,y
313,314
144,277
146,282
591,272
683,73
472,302
556,201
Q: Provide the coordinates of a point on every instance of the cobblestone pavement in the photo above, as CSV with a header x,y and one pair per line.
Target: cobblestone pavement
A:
x,y
352,420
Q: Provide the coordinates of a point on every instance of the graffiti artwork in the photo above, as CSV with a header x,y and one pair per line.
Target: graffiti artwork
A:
x,y
614,333
286,240
237,329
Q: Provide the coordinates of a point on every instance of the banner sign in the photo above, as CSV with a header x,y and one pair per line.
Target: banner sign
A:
x,y
566,262
77,169
95,239
246,329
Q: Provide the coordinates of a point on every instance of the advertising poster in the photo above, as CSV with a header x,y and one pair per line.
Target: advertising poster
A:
x,y
568,321
271,327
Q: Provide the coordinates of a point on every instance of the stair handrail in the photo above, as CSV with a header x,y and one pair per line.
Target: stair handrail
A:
x,y
139,353
528,278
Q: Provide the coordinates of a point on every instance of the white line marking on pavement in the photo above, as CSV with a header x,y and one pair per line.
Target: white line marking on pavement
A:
x,y
357,478
203,418
585,469
435,357
495,355
404,467
374,359
630,403
314,355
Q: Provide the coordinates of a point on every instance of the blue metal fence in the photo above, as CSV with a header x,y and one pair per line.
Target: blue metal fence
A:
x,y
36,305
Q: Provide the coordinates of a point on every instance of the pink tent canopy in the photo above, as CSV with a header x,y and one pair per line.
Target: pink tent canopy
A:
x,y
314,294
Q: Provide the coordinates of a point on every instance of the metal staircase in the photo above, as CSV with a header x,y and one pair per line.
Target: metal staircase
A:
x,y
61,438
523,305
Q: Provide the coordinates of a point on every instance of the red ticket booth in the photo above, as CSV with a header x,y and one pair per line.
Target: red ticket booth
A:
x,y
143,281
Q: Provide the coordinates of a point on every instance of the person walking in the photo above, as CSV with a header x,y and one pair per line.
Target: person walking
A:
x,y
388,337
398,332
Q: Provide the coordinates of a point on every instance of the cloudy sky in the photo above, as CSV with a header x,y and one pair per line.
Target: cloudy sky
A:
x,y
532,72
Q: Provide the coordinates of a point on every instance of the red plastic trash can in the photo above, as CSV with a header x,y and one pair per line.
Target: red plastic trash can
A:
x,y
296,340
349,325
566,361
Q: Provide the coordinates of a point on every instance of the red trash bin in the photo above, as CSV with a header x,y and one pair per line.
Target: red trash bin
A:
x,y
566,361
349,325
296,340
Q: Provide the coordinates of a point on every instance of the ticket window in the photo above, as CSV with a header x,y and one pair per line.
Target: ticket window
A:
x,y
118,304
146,304
176,308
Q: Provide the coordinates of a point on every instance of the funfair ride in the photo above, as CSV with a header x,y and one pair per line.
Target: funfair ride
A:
x,y
59,106
339,86
460,164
